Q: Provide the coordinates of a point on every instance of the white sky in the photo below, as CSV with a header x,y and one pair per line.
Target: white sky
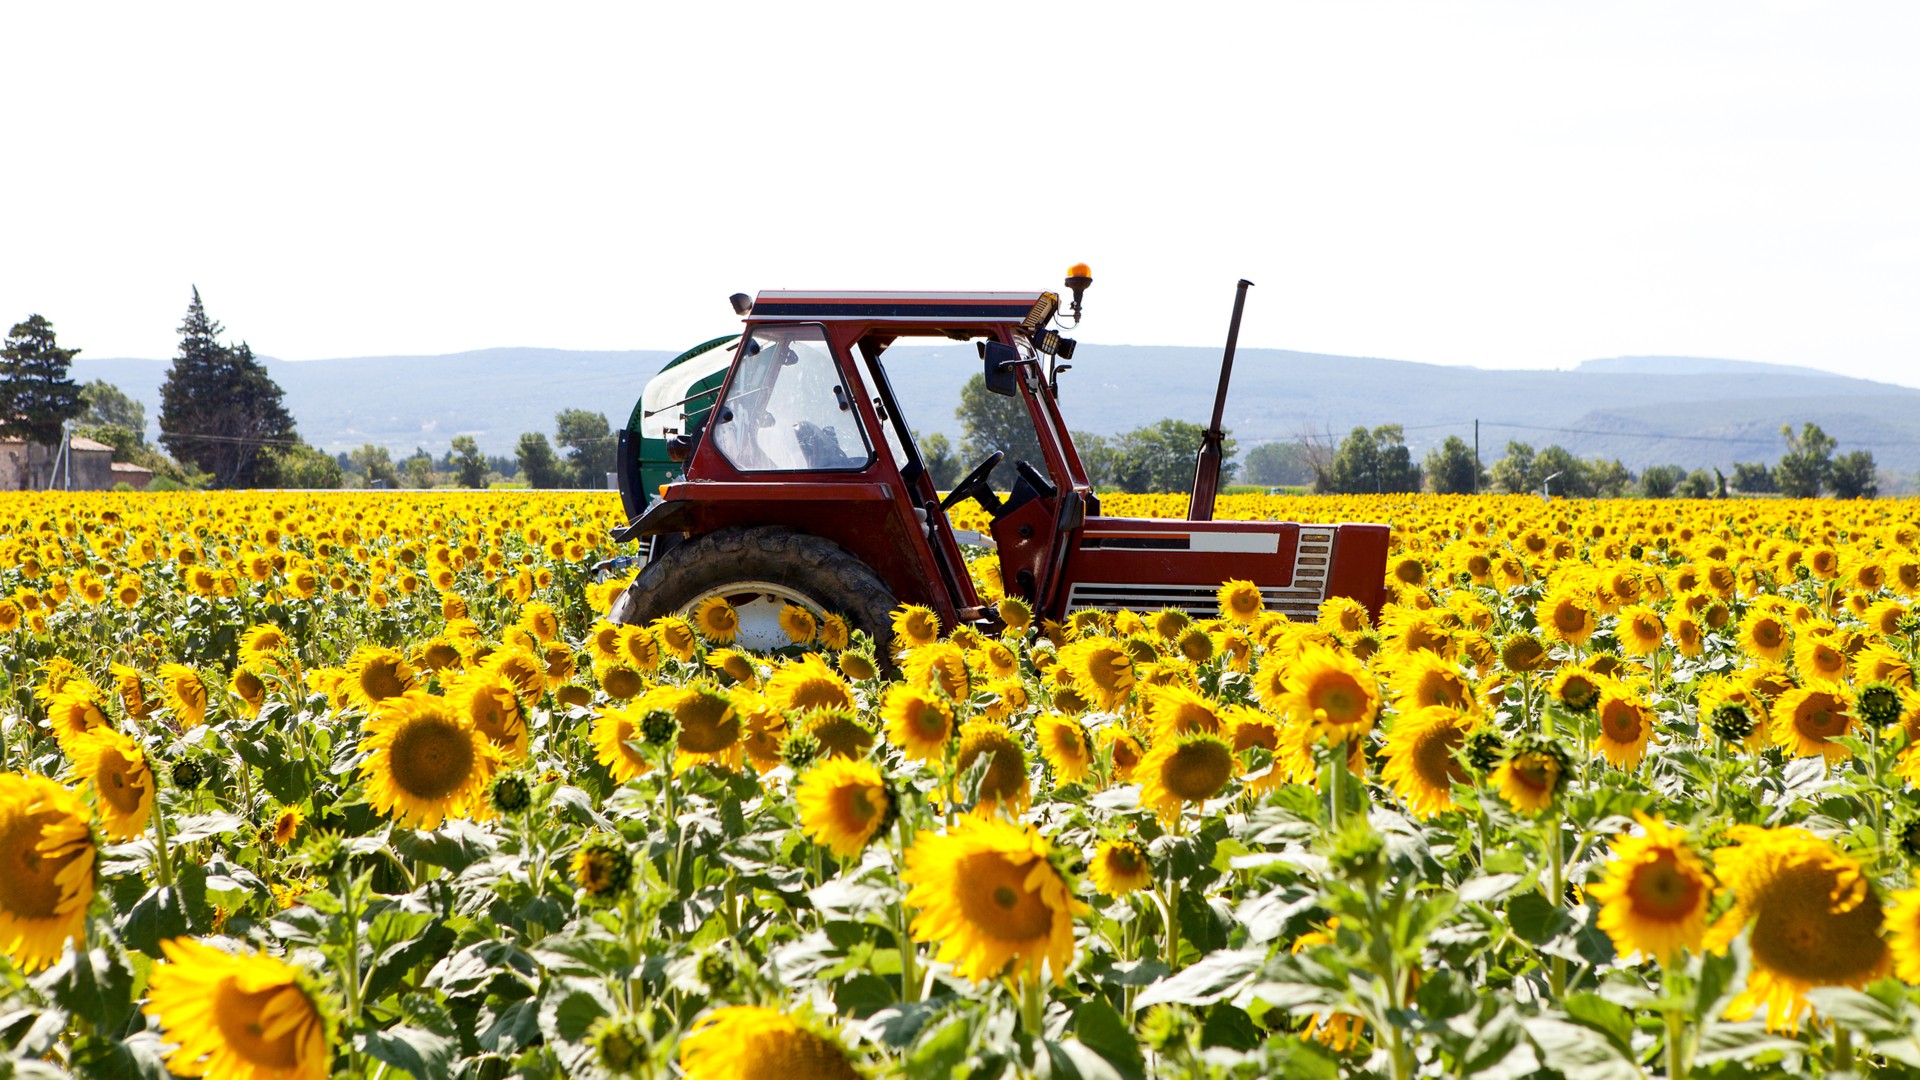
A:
x,y
1513,184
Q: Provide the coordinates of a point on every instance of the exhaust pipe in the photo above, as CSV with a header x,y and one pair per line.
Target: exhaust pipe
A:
x,y
1206,470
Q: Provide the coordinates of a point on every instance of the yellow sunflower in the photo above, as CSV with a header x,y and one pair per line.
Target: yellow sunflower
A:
x,y
1576,687
987,896
1421,679
716,620
808,684
1815,919
1063,742
843,804
799,624
1626,724
1120,867
1903,935
489,703
1640,630
1764,634
1124,749
46,869
1655,896
1521,653
75,712
1819,660
1531,775
858,666
835,635
839,732
1005,783
940,665
376,673
676,635
428,761
186,695
1566,614
233,1017
637,647
1240,601
747,1042
1332,693
1101,669
1420,764
1806,720
520,669
262,644
1182,769
122,781
914,626
710,726
918,722
616,737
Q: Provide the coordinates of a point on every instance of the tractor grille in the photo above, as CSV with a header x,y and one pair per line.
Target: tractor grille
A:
x,y
1312,561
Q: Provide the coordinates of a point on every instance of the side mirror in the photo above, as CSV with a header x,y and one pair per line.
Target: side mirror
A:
x,y
1000,360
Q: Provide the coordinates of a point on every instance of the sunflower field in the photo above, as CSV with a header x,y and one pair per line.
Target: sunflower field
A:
x,y
298,786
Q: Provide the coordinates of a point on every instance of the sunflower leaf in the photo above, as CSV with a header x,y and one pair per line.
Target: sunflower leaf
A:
x,y
420,1053
1206,981
1579,1052
1099,1026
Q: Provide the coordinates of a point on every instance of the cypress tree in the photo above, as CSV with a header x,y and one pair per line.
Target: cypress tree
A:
x,y
219,408
36,397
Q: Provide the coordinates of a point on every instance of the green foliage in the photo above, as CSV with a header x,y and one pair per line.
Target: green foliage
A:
x,y
989,422
1370,462
1277,464
106,405
376,465
538,463
1157,458
1661,481
468,462
298,466
1555,469
943,465
1753,478
1451,469
1853,475
1807,466
218,407
36,397
587,438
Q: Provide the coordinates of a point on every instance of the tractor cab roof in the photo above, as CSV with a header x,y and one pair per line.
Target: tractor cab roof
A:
x,y
909,311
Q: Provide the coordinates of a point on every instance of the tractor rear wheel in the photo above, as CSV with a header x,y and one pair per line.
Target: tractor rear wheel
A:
x,y
760,571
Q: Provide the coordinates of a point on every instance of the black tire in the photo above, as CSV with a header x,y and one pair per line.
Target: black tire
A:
x,y
824,573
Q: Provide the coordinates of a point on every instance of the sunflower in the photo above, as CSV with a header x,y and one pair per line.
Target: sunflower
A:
x,y
1005,782
376,673
522,670
122,780
1640,630
1331,692
247,685
76,711
1626,724
1576,688
489,703
1063,742
710,727
1124,749
428,761
186,695
1421,679
747,1042
1239,601
1420,758
1101,669
1180,710
1819,660
844,804
1903,935
1181,769
835,635
737,666
1531,774
987,895
1878,663
1655,896
286,825
676,635
233,1017
1815,918
615,736
619,680
839,732
914,626
1764,634
1806,720
132,688
1566,615
918,722
1120,867
603,641
262,644
807,684
46,869
798,624
939,665
715,619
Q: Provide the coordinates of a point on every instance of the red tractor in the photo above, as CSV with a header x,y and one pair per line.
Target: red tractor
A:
x,y
803,483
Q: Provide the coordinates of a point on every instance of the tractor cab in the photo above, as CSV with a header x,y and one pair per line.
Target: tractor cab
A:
x,y
800,483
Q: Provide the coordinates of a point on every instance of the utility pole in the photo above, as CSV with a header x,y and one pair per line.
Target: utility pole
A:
x,y
1476,456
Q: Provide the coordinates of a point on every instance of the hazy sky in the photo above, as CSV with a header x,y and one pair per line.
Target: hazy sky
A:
x,y
1523,184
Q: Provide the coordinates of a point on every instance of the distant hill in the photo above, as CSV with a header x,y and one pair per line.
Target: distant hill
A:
x,y
1642,410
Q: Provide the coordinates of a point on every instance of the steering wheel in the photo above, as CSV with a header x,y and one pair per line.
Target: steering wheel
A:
x,y
975,486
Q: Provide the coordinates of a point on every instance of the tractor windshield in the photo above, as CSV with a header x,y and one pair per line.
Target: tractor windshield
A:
x,y
788,408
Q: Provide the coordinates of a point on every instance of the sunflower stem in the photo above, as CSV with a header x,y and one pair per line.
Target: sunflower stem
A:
x,y
1033,1008
162,862
1173,923
1337,765
909,952
1558,898
1676,1037
1842,1049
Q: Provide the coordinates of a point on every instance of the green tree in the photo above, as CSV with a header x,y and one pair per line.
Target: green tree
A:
x,y
468,462
1370,462
989,422
1807,465
418,470
36,397
1853,475
1275,464
1451,469
1753,478
588,440
943,465
218,407
1097,454
1571,481
1699,484
374,463
542,468
1160,457
109,406
1661,481
297,466
1606,479
1514,472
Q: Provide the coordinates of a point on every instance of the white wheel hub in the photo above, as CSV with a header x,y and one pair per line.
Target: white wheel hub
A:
x,y
758,604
